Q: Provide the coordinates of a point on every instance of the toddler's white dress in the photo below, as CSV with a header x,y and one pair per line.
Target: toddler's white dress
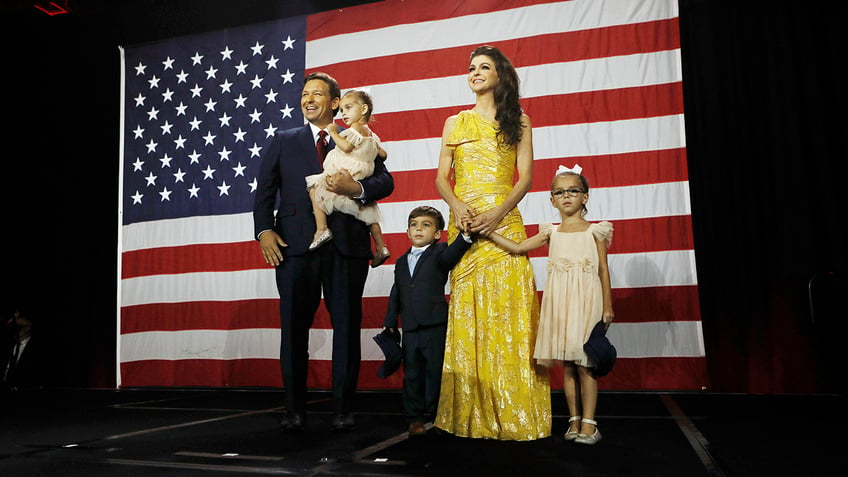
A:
x,y
360,163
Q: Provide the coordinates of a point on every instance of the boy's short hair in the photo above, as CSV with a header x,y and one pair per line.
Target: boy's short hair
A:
x,y
426,210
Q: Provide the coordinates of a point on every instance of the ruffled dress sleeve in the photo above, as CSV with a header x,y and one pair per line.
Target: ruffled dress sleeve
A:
x,y
352,136
465,129
546,229
603,232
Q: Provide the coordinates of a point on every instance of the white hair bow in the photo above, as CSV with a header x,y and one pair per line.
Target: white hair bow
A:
x,y
563,170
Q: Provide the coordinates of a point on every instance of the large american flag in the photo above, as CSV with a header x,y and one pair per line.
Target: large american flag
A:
x,y
600,79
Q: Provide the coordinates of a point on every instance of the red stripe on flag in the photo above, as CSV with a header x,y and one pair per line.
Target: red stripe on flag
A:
x,y
202,372
609,170
618,170
201,315
632,305
610,105
628,374
552,110
220,257
243,373
641,235
653,235
643,305
636,235
646,374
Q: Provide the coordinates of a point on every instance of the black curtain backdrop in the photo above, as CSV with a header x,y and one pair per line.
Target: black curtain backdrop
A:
x,y
765,124
765,103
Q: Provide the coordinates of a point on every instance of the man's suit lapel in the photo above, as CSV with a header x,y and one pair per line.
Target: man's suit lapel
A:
x,y
306,141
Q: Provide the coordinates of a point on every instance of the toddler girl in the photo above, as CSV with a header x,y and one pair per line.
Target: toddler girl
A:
x,y
356,149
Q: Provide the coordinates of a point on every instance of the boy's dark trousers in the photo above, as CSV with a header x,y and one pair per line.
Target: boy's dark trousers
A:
x,y
423,356
420,300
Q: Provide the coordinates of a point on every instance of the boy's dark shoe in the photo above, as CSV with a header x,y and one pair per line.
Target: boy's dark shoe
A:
x,y
417,429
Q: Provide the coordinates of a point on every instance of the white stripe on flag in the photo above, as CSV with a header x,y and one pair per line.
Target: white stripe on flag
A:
x,y
597,74
614,203
201,286
195,230
611,203
627,270
630,270
502,25
639,270
586,139
666,339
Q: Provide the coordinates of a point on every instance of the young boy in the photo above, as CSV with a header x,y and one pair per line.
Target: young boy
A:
x,y
418,296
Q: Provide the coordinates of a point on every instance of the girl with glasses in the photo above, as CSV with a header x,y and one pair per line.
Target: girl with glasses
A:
x,y
577,296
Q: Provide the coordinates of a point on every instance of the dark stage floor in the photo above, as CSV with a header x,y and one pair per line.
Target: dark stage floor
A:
x,y
154,432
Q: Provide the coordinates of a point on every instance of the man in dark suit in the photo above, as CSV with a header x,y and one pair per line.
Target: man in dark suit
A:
x,y
418,296
21,364
340,267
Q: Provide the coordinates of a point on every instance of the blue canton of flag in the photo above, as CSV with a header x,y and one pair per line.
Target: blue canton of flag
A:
x,y
198,113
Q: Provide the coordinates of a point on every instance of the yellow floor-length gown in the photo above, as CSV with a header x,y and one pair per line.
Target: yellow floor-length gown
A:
x,y
491,386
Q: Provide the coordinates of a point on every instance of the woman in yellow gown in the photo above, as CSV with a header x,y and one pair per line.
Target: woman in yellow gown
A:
x,y
491,387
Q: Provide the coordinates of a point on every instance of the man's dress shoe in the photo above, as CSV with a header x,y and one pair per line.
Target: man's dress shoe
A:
x,y
343,422
293,422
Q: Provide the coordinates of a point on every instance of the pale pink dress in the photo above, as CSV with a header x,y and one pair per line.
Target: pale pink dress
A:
x,y
360,163
573,301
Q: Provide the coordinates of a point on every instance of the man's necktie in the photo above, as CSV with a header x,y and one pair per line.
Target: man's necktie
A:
x,y
321,147
414,255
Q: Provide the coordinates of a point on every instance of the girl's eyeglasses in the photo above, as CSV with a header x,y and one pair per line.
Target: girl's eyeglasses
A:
x,y
570,192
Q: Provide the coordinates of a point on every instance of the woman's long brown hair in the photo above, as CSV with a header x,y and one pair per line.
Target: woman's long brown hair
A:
x,y
508,113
